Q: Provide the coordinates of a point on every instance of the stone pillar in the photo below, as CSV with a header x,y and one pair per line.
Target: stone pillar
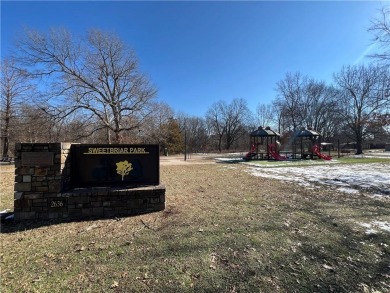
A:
x,y
42,173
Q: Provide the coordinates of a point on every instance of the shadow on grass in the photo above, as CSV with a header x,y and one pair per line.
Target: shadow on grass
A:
x,y
24,225
12,226
343,259
332,256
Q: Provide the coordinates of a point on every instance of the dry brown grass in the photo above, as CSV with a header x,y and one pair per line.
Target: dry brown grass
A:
x,y
7,178
222,231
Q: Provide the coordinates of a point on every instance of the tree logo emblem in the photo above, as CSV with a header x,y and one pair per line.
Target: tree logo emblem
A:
x,y
123,168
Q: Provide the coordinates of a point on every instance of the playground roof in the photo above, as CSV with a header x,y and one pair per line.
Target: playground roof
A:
x,y
307,133
262,132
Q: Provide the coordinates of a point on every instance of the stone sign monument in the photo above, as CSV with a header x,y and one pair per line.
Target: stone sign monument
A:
x,y
64,180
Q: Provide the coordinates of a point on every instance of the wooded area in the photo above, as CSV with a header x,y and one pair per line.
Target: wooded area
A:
x,y
60,88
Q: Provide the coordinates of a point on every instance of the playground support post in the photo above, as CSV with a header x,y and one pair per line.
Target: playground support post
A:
x,y
338,148
185,144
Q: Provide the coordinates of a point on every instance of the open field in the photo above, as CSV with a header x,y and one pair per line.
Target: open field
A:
x,y
223,230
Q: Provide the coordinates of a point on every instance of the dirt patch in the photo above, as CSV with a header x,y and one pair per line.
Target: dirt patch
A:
x,y
191,159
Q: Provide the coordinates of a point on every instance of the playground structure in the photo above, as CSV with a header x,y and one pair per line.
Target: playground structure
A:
x,y
304,144
264,145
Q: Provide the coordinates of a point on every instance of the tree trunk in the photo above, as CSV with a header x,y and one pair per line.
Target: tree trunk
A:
x,y
5,146
359,140
229,142
118,137
359,148
6,131
108,135
220,144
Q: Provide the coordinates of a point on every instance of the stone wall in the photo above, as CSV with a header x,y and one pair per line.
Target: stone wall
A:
x,y
43,191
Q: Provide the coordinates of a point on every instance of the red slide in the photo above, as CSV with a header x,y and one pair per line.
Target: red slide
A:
x,y
251,154
274,154
316,150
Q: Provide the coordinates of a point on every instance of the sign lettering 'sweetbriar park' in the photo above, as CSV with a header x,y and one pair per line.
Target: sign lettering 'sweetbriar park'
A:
x,y
115,165
116,150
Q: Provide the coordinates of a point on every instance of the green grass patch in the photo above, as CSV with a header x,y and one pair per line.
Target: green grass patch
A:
x,y
363,160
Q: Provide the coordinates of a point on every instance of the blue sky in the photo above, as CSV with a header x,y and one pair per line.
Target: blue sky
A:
x,y
197,53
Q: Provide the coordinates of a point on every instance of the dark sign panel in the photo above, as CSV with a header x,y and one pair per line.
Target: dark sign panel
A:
x,y
95,165
37,159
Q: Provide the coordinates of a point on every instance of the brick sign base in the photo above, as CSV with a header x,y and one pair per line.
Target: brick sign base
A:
x,y
45,191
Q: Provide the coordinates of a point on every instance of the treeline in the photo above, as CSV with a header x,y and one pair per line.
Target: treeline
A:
x,y
57,87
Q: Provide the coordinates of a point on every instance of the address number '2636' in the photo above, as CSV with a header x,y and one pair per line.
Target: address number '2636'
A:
x,y
56,203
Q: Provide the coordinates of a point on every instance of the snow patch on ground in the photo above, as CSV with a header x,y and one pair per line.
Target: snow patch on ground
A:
x,y
382,225
372,179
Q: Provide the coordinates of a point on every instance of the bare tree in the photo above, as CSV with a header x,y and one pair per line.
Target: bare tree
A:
x,y
280,116
215,118
197,135
380,28
154,129
97,75
265,115
364,92
16,88
289,99
227,121
318,106
236,117
305,102
34,125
